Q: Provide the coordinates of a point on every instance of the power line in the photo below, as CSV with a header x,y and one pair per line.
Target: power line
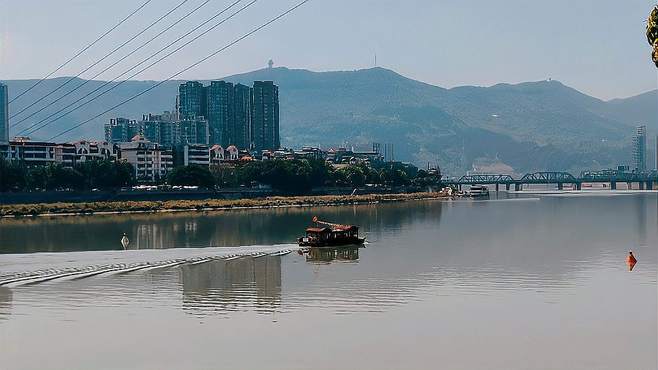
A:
x,y
82,51
110,66
30,130
103,58
248,34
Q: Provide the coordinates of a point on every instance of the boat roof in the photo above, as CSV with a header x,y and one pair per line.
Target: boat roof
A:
x,y
345,227
330,229
317,229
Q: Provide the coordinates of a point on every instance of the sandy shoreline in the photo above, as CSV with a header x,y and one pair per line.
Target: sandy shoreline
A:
x,y
135,207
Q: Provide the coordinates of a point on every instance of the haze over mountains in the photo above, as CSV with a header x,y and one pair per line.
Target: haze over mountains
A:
x,y
530,126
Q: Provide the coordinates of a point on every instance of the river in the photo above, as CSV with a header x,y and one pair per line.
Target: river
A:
x,y
529,281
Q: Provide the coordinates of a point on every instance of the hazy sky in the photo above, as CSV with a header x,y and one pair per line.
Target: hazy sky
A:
x,y
596,46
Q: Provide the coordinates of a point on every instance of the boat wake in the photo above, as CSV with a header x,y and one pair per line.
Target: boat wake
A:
x,y
80,265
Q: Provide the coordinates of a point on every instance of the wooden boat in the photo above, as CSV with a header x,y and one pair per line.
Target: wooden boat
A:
x,y
327,234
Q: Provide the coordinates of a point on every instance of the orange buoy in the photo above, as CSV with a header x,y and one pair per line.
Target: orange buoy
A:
x,y
630,261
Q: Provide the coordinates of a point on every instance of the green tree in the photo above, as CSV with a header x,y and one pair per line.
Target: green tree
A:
x,y
191,176
394,177
353,176
12,176
106,174
321,172
289,176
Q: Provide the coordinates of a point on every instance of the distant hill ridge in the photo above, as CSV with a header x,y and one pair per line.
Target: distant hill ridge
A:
x,y
519,127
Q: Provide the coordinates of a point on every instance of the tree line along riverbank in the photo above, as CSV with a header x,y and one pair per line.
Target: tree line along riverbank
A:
x,y
86,208
290,176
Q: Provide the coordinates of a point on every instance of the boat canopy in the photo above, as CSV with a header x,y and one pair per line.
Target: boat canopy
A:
x,y
346,228
318,230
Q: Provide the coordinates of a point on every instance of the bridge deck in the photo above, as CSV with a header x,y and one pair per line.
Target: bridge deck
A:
x,y
606,176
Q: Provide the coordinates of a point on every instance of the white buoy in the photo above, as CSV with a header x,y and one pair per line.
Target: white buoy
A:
x,y
125,241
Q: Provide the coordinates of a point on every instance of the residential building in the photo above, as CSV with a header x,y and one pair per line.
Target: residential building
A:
x,y
38,153
165,130
237,114
192,131
217,154
120,130
158,128
265,116
351,156
86,151
232,153
640,149
192,100
240,134
4,114
229,114
151,161
192,154
220,112
309,152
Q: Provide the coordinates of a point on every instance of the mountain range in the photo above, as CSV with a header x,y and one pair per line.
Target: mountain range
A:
x,y
541,125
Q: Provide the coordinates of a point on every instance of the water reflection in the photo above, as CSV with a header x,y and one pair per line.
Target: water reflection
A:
x,y
6,296
433,270
200,229
641,212
224,286
328,255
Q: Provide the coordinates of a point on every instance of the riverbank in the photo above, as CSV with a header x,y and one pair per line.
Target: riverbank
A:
x,y
91,208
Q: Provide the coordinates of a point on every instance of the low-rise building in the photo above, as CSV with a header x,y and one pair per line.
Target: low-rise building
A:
x,y
192,154
309,152
351,156
216,153
231,154
95,151
38,153
151,161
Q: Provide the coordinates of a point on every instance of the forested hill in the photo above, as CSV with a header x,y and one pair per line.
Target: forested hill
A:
x,y
522,127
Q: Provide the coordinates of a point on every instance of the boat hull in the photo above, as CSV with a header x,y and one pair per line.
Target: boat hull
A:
x,y
331,243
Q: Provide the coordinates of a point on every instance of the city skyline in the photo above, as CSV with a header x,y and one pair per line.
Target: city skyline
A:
x,y
515,50
247,117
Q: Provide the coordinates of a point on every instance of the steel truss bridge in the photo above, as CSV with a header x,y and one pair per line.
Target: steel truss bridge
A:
x,y
644,179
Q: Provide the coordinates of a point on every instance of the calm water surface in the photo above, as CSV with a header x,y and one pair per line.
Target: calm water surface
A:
x,y
532,282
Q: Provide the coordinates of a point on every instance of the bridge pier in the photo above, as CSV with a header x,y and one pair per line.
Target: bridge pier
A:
x,y
560,186
578,186
629,186
613,185
507,186
496,187
518,187
649,185
641,184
